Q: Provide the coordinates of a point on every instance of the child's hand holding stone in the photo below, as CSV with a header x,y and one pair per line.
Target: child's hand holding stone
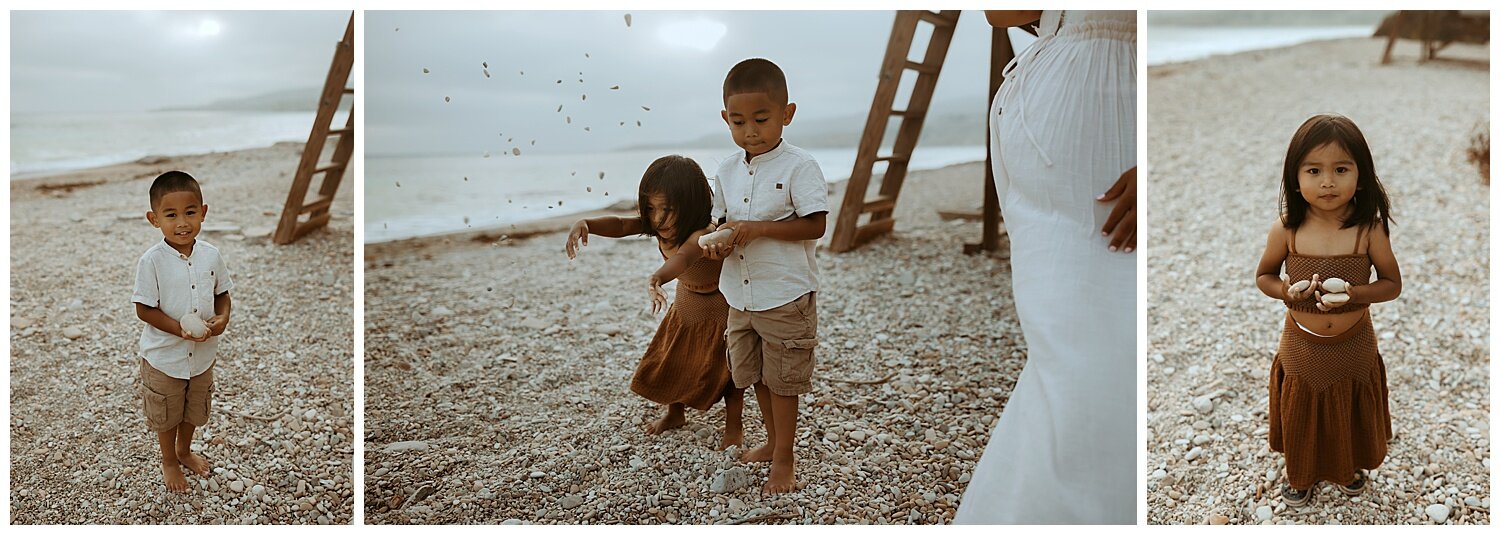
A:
x,y
1299,290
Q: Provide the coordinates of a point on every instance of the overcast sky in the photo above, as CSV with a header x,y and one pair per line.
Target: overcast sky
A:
x,y
671,62
79,61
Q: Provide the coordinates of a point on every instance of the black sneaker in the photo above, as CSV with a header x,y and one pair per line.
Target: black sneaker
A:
x,y
1358,486
1295,497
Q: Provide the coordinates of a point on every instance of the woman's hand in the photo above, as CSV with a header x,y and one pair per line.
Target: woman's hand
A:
x,y
580,231
1120,226
658,295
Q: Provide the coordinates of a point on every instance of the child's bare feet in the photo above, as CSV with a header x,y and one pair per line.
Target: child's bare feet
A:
x,y
782,478
757,455
176,482
673,419
732,437
193,462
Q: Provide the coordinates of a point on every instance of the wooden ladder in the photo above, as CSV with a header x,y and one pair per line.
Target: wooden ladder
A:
x,y
847,232
292,226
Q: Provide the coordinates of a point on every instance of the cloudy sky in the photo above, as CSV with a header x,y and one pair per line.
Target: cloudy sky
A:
x,y
671,62
81,61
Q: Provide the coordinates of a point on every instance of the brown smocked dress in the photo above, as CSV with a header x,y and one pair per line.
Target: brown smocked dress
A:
x,y
686,362
1328,406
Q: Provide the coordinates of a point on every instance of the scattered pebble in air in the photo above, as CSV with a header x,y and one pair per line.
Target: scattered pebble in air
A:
x,y
584,97
627,20
489,288
398,28
614,88
515,152
559,203
570,119
533,142
559,108
466,179
398,183
585,55
484,64
622,123
523,73
606,194
586,129
580,80
509,139
425,71
574,173
645,108
601,175
466,220
447,99
486,73
559,80
486,154
589,189
385,225
637,123
508,201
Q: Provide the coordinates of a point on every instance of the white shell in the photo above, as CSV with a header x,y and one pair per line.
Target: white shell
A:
x,y
193,325
718,237
1301,286
1335,285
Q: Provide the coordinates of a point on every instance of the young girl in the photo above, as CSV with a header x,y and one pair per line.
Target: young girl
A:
x,y
685,364
1328,408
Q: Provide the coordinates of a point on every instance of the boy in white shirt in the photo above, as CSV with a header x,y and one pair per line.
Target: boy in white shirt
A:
x,y
776,201
179,277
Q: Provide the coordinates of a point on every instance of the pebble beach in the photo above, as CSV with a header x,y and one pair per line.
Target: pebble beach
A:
x,y
497,381
280,434
1217,133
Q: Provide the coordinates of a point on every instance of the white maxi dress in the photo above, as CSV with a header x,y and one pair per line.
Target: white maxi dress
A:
x,y
1062,131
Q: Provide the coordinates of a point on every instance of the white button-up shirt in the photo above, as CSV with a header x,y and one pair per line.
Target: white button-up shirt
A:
x,y
781,184
179,285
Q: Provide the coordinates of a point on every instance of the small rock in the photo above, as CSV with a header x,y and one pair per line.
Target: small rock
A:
x,y
237,486
73,333
1217,519
857,436
1438,512
1204,404
570,501
1193,454
729,480
1263,513
538,474
406,445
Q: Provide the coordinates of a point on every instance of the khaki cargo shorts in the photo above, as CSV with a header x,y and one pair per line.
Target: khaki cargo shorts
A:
x,y
170,401
775,346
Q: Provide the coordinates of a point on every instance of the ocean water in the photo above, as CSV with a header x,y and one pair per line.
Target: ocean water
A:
x,y
1172,44
55,142
418,196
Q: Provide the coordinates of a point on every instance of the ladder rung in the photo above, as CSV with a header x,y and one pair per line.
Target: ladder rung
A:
x,y
881,203
338,132
921,67
909,113
892,158
321,203
329,167
937,19
873,229
348,91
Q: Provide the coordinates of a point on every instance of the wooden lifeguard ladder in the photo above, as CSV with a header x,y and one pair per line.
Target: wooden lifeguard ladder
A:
x,y
292,225
1435,29
848,232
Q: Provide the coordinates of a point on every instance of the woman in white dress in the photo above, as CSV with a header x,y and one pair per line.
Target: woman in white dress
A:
x,y
1063,134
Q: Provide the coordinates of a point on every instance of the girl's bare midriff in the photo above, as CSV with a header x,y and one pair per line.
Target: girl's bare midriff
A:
x,y
1328,324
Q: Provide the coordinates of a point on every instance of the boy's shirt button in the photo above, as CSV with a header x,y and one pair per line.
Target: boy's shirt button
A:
x,y
747,199
747,281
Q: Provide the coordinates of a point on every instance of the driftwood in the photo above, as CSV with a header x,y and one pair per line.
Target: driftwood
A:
x,y
882,380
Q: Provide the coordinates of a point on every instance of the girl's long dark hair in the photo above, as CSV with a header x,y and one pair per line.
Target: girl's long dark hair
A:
x,y
682,182
1370,202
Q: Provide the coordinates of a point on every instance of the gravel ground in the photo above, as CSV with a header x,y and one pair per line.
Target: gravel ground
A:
x,y
1218,130
497,382
280,431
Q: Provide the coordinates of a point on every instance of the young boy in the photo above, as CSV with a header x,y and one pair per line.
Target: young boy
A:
x,y
177,277
775,199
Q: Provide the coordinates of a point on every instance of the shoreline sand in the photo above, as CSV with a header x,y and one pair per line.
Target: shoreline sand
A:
x,y
280,433
1217,134
497,381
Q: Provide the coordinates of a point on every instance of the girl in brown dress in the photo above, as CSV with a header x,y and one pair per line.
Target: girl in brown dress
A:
x,y
685,365
1328,409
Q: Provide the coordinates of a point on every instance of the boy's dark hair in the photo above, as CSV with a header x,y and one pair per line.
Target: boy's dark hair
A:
x,y
756,75
1370,202
172,182
681,181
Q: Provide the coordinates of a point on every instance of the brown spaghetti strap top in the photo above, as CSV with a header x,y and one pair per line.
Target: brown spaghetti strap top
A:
x,y
1354,268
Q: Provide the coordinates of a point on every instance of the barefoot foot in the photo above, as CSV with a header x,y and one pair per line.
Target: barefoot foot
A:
x,y
669,421
193,462
732,437
757,455
174,478
782,478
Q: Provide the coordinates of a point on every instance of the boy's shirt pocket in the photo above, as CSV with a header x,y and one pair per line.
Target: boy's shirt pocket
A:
x,y
771,199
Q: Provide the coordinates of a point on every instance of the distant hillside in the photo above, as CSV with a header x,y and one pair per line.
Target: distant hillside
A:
x,y
946,125
300,99
1266,18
